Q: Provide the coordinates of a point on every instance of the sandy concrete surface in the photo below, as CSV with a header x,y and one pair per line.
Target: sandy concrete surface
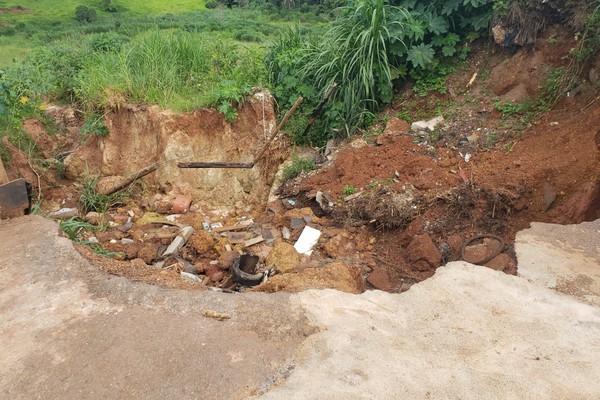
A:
x,y
69,331
565,258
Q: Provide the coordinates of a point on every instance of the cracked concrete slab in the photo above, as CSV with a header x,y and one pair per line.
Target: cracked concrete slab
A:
x,y
68,330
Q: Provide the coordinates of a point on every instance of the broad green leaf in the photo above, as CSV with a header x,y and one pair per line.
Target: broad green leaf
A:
x,y
450,6
437,24
421,55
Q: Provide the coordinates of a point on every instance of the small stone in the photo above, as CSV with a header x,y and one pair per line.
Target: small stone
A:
x,y
285,232
181,204
148,253
113,241
175,246
126,241
120,219
297,223
65,213
93,218
93,239
190,277
138,263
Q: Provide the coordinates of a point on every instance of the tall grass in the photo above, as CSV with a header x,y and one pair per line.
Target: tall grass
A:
x,y
181,71
354,54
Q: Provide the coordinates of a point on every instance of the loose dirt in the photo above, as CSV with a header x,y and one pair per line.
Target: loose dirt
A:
x,y
405,202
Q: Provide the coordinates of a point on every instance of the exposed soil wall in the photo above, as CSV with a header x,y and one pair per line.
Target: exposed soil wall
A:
x,y
141,135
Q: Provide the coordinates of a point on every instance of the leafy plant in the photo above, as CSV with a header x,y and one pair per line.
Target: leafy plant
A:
x,y
348,190
298,166
94,125
74,228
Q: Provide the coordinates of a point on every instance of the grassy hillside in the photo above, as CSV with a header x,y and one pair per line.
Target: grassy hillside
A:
x,y
49,10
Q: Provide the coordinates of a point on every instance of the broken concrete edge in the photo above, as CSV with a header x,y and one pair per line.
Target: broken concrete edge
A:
x,y
179,241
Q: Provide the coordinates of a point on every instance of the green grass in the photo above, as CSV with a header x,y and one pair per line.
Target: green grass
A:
x,y
11,49
51,10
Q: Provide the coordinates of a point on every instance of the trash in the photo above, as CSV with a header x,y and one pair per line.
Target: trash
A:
x,y
430,124
179,241
126,226
462,174
191,277
554,123
113,241
93,239
472,80
549,196
353,196
243,271
238,237
172,218
467,157
307,240
206,226
241,225
254,241
216,315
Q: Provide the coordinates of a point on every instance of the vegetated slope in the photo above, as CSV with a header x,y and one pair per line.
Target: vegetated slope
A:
x,y
50,10
521,168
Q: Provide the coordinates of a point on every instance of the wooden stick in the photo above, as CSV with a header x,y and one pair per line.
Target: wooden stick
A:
x,y
132,178
214,165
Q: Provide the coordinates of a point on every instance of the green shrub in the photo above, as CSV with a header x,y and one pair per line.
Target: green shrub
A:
x,y
110,41
85,14
93,124
298,166
210,4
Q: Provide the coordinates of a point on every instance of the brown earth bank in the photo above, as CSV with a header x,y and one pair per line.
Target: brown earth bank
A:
x,y
391,207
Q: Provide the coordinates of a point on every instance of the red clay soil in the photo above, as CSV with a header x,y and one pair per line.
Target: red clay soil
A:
x,y
549,172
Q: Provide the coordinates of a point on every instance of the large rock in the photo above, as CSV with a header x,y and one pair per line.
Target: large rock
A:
x,y
284,257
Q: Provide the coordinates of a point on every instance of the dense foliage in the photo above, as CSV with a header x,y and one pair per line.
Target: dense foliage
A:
x,y
371,45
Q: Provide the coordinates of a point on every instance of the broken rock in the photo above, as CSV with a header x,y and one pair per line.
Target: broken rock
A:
x,y
202,242
422,248
284,257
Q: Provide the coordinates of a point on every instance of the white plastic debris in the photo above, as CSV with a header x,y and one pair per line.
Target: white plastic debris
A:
x,y
307,240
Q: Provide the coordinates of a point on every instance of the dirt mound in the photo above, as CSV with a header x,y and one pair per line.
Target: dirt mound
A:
x,y
141,135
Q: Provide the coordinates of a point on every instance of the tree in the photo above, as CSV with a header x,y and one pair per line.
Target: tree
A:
x,y
85,14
